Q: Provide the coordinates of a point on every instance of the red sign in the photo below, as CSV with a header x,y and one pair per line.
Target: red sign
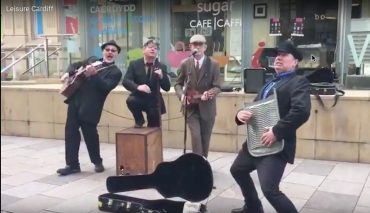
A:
x,y
71,25
70,2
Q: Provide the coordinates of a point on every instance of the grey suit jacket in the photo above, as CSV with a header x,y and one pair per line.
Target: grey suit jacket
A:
x,y
209,80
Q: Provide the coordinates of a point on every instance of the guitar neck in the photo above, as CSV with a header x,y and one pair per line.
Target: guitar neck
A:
x,y
97,69
129,183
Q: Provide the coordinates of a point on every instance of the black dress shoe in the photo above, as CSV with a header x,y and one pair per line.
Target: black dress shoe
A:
x,y
69,170
245,209
99,167
138,125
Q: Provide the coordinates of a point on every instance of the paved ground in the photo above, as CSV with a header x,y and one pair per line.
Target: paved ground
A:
x,y
29,182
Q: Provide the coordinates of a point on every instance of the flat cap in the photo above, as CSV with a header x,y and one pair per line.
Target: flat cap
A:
x,y
197,38
150,40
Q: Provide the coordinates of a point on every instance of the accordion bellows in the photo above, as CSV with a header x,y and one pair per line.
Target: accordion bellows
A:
x,y
265,113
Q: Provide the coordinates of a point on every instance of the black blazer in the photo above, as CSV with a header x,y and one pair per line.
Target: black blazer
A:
x,y
294,108
136,75
90,97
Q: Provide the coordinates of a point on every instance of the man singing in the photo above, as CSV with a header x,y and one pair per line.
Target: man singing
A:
x,y
86,104
202,76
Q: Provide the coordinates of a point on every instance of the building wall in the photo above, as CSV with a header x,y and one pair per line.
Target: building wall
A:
x,y
339,133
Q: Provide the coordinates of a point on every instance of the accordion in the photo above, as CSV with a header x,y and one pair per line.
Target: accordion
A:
x,y
265,113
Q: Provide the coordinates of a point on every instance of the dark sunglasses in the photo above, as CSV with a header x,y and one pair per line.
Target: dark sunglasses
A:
x,y
110,50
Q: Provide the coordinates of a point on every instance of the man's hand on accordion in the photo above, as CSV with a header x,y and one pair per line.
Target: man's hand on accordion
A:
x,y
244,116
268,138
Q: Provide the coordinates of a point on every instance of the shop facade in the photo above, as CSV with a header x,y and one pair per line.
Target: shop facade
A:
x,y
333,35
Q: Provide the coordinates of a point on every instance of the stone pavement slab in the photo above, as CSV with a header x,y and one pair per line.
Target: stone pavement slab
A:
x,y
29,182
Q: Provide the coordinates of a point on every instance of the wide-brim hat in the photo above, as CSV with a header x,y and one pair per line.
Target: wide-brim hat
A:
x,y
288,47
111,42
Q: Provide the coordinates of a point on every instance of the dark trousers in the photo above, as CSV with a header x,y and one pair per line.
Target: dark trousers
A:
x,y
73,138
201,131
270,170
138,105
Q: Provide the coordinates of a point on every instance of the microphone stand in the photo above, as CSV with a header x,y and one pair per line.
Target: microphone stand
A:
x,y
185,101
184,105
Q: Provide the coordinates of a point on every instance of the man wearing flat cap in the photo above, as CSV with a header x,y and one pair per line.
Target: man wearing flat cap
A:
x,y
144,78
200,76
294,108
85,105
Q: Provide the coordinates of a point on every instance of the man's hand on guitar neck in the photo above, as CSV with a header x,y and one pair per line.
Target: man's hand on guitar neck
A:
x,y
183,100
64,77
90,71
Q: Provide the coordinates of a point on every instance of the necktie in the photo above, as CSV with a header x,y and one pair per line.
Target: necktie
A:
x,y
197,67
148,69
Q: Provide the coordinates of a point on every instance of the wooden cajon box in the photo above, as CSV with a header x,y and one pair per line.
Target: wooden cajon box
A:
x,y
138,150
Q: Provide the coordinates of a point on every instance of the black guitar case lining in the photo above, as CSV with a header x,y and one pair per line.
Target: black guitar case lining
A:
x,y
110,202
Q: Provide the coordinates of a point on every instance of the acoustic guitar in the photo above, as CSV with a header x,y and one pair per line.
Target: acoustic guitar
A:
x,y
189,177
193,97
73,82
120,203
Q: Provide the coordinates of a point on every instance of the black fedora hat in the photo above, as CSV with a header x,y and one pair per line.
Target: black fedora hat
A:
x,y
288,47
111,42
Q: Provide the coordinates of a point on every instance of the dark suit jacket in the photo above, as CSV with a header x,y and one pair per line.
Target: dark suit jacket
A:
x,y
294,109
209,80
90,97
136,75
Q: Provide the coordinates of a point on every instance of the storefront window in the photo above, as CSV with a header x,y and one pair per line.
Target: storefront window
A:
x,y
113,20
311,25
358,75
125,21
313,28
220,22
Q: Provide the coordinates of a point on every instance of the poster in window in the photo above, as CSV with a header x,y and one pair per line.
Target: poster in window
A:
x,y
189,32
275,27
298,25
71,25
207,31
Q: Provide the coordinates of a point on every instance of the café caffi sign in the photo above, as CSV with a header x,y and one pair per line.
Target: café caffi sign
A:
x,y
215,8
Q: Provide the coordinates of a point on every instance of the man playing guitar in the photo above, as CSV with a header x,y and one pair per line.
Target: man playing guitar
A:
x,y
85,106
200,76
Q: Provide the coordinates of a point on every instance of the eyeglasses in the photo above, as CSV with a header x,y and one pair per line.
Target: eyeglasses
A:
x,y
110,50
197,43
152,47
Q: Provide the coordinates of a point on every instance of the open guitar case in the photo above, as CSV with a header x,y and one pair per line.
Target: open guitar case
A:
x,y
188,177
